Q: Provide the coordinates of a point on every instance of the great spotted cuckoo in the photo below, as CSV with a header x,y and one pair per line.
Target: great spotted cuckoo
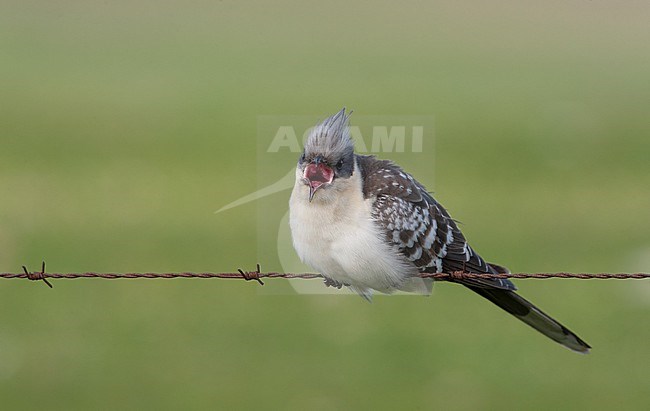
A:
x,y
367,224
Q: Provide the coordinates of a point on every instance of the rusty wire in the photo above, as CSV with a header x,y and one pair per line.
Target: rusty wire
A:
x,y
257,275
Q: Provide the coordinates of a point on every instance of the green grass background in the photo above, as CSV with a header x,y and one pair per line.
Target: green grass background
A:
x,y
124,125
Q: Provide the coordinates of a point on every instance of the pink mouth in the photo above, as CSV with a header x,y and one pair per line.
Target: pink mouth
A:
x,y
317,175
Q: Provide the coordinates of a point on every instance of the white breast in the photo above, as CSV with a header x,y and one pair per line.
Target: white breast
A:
x,y
336,236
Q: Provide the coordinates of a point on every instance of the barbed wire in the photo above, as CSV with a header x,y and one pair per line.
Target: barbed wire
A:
x,y
258,275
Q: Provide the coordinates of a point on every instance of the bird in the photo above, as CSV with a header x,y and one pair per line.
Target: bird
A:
x,y
366,224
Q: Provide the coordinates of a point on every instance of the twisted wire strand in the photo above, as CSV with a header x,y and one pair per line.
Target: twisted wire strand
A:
x,y
257,275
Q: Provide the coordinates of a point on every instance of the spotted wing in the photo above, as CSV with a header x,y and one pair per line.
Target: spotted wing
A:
x,y
419,227
423,231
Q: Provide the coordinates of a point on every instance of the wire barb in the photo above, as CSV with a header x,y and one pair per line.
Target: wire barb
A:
x,y
252,275
35,276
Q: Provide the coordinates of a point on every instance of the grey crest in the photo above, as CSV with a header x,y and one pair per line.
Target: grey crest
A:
x,y
330,140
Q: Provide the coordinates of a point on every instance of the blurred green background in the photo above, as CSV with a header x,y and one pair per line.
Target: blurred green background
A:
x,y
125,125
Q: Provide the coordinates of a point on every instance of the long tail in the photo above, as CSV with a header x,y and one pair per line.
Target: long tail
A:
x,y
533,316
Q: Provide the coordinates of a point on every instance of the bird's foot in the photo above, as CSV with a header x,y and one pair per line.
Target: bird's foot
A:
x,y
332,283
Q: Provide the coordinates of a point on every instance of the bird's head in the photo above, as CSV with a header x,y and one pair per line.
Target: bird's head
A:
x,y
328,156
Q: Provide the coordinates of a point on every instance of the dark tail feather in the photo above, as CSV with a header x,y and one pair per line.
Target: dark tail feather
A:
x,y
533,316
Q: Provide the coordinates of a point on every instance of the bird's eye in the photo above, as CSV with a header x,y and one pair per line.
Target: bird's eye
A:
x,y
302,158
339,165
